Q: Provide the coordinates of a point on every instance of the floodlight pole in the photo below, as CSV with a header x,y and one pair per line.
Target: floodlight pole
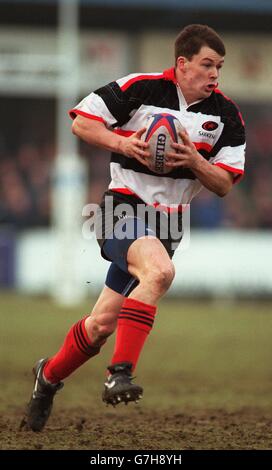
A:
x,y
69,172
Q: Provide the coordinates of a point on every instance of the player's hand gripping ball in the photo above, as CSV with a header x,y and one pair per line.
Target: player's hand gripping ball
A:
x,y
161,130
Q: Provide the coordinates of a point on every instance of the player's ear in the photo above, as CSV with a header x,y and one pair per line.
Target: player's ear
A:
x,y
182,63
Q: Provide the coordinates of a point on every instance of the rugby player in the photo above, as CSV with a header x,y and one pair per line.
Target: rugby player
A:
x,y
141,270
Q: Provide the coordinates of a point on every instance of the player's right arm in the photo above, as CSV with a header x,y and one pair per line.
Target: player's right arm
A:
x,y
100,116
94,132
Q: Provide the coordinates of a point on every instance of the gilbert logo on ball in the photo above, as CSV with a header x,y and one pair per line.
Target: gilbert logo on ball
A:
x,y
162,130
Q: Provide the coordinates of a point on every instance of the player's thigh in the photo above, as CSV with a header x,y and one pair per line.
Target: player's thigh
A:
x,y
147,256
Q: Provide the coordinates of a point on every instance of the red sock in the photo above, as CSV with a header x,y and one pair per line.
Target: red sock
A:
x,y
135,321
75,350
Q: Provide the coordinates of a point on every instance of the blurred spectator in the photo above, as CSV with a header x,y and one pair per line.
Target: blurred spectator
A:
x,y
16,207
261,196
206,211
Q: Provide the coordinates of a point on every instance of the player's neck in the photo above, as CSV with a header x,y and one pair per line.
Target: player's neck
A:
x,y
189,96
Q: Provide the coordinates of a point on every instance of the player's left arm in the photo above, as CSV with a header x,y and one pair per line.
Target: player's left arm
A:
x,y
214,178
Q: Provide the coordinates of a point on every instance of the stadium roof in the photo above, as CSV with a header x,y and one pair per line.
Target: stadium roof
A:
x,y
257,6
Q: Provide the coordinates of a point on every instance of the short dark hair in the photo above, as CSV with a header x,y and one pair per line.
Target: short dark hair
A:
x,y
193,37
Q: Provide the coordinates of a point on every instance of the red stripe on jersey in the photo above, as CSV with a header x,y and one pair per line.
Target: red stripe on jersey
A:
x,y
124,191
140,77
74,112
203,146
233,102
157,205
170,75
239,173
124,133
169,210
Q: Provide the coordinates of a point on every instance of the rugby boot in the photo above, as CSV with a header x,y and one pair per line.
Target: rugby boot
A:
x,y
119,387
41,402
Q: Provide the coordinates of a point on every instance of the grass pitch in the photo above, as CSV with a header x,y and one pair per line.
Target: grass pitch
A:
x,y
206,372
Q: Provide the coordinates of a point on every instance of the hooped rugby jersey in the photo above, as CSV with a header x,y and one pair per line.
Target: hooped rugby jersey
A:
x,y
214,125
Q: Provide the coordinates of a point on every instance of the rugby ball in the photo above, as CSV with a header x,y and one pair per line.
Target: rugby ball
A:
x,y
161,130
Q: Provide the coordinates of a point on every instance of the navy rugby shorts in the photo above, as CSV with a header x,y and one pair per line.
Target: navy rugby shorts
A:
x,y
122,219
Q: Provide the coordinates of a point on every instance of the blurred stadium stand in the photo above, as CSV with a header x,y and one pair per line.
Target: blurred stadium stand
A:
x,y
135,15
115,38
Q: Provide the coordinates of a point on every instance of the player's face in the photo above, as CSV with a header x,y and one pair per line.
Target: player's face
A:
x,y
201,73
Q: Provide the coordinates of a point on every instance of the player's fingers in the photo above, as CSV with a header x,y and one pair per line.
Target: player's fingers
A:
x,y
175,163
185,138
141,160
175,155
137,142
142,144
179,147
142,153
140,132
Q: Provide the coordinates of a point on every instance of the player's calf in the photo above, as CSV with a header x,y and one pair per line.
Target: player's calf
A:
x,y
100,327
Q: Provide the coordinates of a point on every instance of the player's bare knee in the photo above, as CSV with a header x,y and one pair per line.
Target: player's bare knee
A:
x,y
165,278
160,278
